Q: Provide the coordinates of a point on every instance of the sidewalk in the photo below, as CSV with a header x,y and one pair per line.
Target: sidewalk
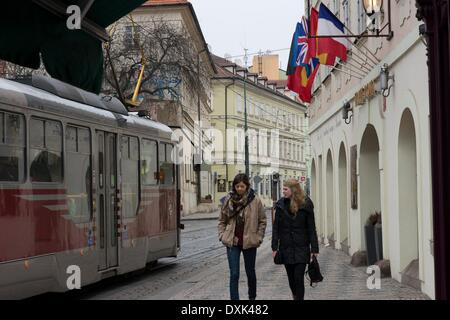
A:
x,y
202,216
342,281
207,216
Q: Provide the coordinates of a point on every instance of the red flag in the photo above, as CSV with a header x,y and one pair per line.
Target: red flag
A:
x,y
313,42
302,80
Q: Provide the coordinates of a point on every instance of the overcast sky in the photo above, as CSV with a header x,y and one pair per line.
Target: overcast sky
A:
x,y
229,26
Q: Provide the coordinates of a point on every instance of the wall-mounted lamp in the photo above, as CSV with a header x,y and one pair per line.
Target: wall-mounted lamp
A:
x,y
384,80
372,6
423,34
346,108
373,9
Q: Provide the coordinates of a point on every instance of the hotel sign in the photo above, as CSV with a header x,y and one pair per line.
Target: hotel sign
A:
x,y
366,93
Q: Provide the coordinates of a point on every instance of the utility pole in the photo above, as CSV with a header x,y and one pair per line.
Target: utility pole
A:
x,y
247,165
200,151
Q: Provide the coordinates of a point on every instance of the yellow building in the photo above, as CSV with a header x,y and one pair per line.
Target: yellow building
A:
x,y
278,141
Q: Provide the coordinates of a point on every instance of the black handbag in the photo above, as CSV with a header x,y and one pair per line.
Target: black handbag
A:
x,y
278,259
313,273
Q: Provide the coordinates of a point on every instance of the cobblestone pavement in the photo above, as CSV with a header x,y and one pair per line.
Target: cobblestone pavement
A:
x,y
342,281
201,273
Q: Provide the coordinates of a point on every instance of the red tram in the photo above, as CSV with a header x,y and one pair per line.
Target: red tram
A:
x,y
82,183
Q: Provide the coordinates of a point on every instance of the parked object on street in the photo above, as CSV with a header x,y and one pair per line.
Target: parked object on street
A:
x,y
373,235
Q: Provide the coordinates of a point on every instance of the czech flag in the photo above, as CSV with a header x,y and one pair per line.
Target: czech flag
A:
x,y
329,48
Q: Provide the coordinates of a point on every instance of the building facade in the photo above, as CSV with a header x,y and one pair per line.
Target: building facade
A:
x,y
277,126
189,111
377,159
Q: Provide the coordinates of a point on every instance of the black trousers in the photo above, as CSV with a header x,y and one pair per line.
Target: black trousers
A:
x,y
296,277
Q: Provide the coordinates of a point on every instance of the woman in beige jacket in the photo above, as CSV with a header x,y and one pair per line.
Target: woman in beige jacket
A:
x,y
242,225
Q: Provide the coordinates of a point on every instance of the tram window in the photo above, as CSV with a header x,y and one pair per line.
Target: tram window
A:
x,y
12,147
37,133
15,130
166,166
53,134
130,175
84,141
134,149
79,173
46,151
149,166
71,139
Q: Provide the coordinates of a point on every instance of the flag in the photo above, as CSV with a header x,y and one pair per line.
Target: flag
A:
x,y
302,67
302,80
296,48
313,42
330,48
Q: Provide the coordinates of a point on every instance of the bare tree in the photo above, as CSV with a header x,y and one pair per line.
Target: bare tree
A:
x,y
10,70
169,56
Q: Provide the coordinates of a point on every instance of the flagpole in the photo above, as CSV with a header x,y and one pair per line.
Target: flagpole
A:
x,y
361,60
377,61
358,67
352,70
364,53
343,71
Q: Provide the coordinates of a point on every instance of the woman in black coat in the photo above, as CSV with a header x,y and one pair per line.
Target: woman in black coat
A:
x,y
294,233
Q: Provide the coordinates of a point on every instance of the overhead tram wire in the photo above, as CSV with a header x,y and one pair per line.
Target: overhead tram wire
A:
x,y
362,62
278,117
273,115
281,137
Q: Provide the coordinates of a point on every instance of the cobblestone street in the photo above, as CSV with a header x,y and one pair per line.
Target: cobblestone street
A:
x,y
201,273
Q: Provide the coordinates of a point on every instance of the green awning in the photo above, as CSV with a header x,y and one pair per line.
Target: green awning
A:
x,y
27,30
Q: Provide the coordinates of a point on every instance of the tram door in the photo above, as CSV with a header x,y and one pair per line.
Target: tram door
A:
x,y
107,199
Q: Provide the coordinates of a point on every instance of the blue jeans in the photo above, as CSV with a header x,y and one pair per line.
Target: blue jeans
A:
x,y
234,259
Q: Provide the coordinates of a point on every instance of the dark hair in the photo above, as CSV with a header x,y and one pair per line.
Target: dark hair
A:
x,y
241,177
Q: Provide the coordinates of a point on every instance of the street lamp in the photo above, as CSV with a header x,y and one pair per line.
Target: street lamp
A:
x,y
200,151
372,6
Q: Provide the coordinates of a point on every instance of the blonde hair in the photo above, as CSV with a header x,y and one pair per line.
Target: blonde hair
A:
x,y
298,195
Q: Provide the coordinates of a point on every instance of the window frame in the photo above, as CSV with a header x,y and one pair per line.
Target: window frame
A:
x,y
91,162
24,146
30,147
139,182
160,163
157,161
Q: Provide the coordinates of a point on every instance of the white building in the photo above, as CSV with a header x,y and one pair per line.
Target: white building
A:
x,y
381,160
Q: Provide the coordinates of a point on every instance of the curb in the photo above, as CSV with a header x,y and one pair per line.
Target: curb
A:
x,y
205,218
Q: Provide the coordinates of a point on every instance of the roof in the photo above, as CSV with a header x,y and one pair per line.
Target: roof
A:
x,y
41,96
223,73
183,3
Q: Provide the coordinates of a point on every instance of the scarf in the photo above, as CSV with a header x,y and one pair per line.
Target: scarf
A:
x,y
237,203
